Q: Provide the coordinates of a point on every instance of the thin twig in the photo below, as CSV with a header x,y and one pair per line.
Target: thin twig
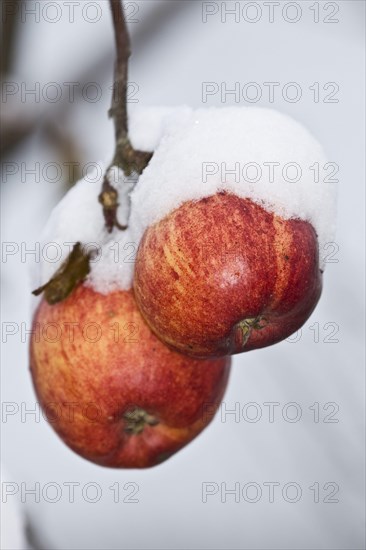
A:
x,y
9,28
125,156
118,109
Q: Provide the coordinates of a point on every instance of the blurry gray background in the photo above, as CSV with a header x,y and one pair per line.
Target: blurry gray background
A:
x,y
174,52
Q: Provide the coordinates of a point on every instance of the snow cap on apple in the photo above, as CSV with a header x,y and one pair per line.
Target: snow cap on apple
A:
x,y
190,147
78,216
231,221
235,211
255,153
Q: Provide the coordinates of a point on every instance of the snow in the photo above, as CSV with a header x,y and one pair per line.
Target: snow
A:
x,y
234,149
79,217
147,125
256,153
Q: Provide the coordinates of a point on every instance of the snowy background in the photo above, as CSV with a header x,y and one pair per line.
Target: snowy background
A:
x,y
318,375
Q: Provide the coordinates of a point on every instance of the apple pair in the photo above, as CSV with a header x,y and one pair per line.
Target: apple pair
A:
x,y
215,277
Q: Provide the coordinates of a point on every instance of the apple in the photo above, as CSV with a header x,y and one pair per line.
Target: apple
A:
x,y
112,391
222,275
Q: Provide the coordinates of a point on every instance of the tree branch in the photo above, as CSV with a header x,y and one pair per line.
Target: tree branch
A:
x,y
125,156
118,109
8,34
77,266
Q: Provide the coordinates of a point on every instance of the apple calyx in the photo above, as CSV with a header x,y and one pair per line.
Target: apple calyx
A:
x,y
245,327
136,419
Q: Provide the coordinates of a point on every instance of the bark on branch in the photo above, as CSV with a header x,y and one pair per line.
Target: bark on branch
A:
x,y
125,156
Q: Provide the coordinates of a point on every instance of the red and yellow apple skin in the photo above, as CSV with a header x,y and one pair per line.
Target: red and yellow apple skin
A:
x,y
222,275
112,391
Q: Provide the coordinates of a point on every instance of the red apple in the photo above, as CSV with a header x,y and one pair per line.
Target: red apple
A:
x,y
222,275
113,392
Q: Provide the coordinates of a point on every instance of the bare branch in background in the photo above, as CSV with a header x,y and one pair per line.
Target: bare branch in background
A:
x,y
8,30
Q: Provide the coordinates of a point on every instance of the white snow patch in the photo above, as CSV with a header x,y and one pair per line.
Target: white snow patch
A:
x,y
253,152
79,218
147,124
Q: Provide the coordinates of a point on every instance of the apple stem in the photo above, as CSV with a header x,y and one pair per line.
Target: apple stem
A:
x,y
125,157
247,325
136,419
